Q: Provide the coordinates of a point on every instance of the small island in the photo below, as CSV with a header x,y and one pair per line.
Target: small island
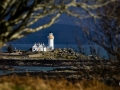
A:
x,y
64,63
41,51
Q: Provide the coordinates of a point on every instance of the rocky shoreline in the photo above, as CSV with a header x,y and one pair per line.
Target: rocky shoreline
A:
x,y
74,70
18,62
74,75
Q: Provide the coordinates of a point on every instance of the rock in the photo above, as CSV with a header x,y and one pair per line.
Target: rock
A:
x,y
20,63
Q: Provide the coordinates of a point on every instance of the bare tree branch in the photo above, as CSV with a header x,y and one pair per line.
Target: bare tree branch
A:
x,y
17,15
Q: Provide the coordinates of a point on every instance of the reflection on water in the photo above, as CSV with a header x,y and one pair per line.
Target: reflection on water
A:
x,y
25,69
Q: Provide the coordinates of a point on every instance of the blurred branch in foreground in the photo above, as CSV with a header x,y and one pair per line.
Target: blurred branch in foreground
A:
x,y
17,16
106,30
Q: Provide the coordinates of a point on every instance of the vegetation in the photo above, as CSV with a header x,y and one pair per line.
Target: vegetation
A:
x,y
30,83
105,32
10,49
17,16
68,54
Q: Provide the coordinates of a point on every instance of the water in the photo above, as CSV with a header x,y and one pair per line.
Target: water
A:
x,y
26,47
31,68
26,69
102,52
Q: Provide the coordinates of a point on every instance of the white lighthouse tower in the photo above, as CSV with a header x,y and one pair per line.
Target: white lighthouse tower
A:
x,y
51,41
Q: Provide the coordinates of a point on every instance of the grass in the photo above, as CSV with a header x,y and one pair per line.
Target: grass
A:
x,y
32,83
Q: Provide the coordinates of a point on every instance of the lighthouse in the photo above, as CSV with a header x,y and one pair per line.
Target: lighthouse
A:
x,y
51,40
41,47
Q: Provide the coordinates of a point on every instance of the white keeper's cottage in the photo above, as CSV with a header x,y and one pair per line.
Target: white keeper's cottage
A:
x,y
42,47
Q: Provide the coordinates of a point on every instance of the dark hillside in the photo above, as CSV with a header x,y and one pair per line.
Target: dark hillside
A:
x,y
64,34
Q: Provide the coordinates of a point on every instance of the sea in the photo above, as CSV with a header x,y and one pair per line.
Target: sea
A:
x,y
21,69
26,47
86,49
65,36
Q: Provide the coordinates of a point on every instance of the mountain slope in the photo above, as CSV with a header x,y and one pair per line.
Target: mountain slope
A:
x,y
64,34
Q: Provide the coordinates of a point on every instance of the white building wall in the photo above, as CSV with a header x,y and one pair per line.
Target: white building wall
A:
x,y
51,43
34,48
44,49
